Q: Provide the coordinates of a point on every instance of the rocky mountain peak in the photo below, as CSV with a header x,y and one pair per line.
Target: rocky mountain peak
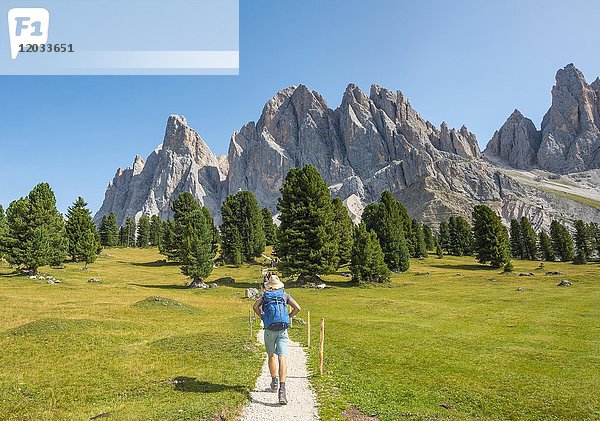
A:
x,y
569,139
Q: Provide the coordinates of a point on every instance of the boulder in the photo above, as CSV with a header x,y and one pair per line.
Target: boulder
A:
x,y
564,283
252,293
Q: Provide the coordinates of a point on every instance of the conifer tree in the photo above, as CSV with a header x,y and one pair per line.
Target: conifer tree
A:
x,y
214,231
545,247
444,236
438,249
516,239
562,242
343,226
305,239
130,229
367,260
270,227
36,230
83,238
122,236
388,225
103,231
407,228
460,236
183,205
418,240
143,231
231,241
155,231
195,249
242,227
491,237
3,233
595,238
529,239
429,238
369,216
167,240
582,242
112,230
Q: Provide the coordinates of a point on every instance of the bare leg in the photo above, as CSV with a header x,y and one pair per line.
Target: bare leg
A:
x,y
272,366
282,369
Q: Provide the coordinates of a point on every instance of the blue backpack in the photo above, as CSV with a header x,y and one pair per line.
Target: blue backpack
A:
x,y
275,315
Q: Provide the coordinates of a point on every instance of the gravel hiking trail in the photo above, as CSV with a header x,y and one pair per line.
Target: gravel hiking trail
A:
x,y
301,405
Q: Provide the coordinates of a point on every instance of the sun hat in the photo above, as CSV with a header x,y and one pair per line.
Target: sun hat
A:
x,y
273,282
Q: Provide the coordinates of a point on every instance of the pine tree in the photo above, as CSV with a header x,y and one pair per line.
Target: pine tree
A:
x,y
305,240
167,241
36,230
195,250
595,238
143,231
562,242
112,230
83,238
582,242
3,233
418,240
545,247
183,205
122,236
129,232
516,239
529,238
103,231
460,236
444,236
429,238
231,241
388,225
438,249
343,226
369,216
270,227
406,228
214,232
155,231
491,237
367,260
242,228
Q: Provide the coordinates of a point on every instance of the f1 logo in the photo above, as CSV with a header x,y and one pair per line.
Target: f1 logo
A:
x,y
27,25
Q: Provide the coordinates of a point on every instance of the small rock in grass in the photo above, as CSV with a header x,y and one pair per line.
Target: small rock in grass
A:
x,y
198,284
564,283
526,274
447,405
251,293
213,285
321,286
520,289
95,281
554,273
33,277
347,274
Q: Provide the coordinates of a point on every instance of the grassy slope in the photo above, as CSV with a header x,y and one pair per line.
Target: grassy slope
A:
x,y
462,335
75,350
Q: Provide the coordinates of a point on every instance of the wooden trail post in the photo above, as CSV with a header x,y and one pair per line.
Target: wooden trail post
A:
x,y
250,324
308,327
321,345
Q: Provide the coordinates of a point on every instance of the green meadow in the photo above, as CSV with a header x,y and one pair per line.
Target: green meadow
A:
x,y
450,332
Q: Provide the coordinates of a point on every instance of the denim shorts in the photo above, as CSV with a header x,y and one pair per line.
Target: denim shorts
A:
x,y
276,341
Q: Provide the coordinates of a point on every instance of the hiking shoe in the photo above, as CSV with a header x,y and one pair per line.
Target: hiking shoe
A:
x,y
282,397
274,384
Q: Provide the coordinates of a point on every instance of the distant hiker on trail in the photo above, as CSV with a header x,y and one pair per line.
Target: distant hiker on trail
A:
x,y
272,308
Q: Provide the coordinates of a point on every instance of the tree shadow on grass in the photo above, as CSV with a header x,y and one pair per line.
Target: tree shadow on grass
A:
x,y
465,267
166,286
155,264
191,384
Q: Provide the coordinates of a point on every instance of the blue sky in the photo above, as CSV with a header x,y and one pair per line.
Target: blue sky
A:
x,y
463,62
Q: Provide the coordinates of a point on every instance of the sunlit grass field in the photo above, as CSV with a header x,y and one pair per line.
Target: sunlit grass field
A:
x,y
77,350
448,332
452,332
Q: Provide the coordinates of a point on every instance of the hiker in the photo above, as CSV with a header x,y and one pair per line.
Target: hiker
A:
x,y
271,306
